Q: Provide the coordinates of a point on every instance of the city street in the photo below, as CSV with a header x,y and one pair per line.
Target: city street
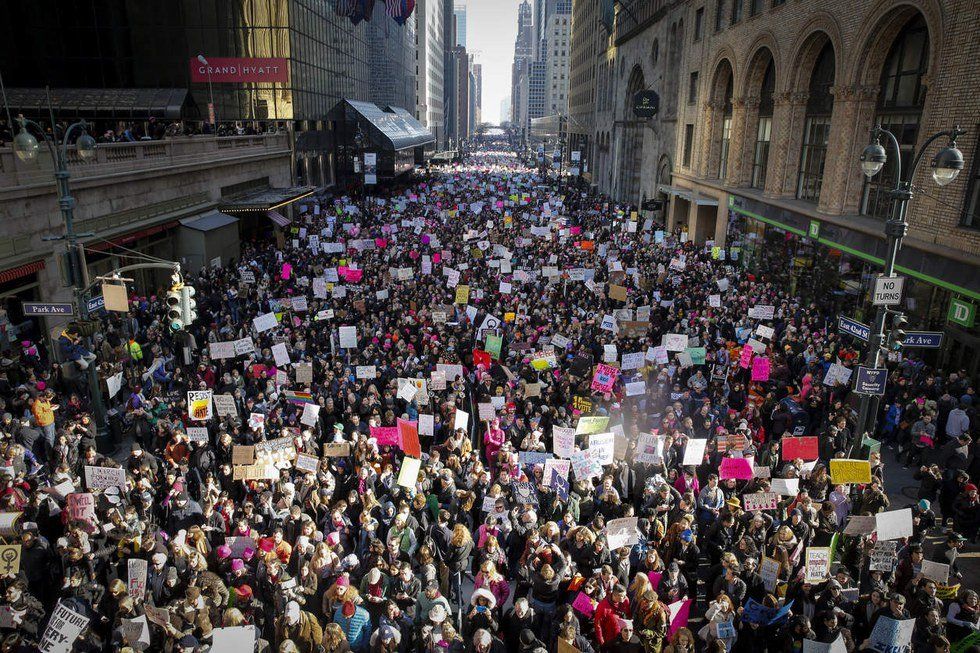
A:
x,y
490,326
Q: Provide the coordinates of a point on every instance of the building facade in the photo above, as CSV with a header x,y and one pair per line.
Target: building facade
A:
x,y
392,53
584,48
632,157
521,69
558,61
430,68
459,11
776,105
476,96
458,93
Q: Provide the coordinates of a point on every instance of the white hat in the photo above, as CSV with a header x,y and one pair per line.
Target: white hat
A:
x,y
374,576
437,613
484,594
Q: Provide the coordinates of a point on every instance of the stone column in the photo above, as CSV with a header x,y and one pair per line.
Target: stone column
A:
x,y
706,154
733,171
749,131
789,116
854,108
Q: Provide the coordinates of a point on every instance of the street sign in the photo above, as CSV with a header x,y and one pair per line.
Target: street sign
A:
x,y
923,339
48,308
961,312
95,304
870,380
852,327
888,291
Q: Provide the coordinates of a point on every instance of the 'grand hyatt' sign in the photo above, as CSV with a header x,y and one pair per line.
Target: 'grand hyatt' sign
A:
x,y
237,70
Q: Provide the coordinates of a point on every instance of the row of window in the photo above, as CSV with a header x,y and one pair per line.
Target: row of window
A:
x,y
732,16
899,110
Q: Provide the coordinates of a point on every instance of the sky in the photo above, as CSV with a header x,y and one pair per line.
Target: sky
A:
x,y
491,29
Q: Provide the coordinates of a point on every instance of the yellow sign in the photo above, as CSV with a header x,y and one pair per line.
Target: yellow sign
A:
x,y
510,317
462,294
582,404
540,364
590,425
844,471
715,252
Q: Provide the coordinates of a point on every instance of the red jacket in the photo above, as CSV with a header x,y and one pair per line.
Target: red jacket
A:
x,y
607,617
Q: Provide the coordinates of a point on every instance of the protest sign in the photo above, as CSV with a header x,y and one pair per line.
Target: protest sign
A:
x,y
817,566
233,639
737,468
584,604
759,501
937,571
837,374
836,646
760,369
336,449
588,425
307,463
554,466
894,524
622,532
675,341
762,312
892,635
632,361
136,580
604,444
563,441
769,571
222,350
786,487
604,378
408,475
883,556
63,629
265,322
858,525
460,420
99,478
844,471
280,354
224,405
199,407
694,451
348,337
807,448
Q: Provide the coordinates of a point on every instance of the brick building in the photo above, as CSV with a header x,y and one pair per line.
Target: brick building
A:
x,y
776,102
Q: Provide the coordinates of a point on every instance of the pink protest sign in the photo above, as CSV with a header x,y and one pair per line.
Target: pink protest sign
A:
x,y
738,468
605,377
746,358
679,612
386,435
437,257
584,604
760,368
575,231
287,270
500,204
381,243
654,577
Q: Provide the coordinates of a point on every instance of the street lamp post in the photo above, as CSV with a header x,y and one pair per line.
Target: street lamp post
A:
x,y
27,148
213,113
946,165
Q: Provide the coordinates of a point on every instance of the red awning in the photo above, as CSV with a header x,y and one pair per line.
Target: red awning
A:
x,y
126,239
21,271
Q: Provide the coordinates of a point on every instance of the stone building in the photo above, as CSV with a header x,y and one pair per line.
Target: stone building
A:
x,y
776,105
631,158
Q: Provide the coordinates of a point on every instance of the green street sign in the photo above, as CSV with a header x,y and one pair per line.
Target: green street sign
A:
x,y
814,230
961,312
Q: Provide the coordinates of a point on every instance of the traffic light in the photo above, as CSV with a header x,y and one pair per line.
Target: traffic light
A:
x,y
897,335
174,311
188,305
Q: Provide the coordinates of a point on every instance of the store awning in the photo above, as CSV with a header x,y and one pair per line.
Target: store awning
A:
x,y
279,218
391,128
209,221
265,200
21,271
99,102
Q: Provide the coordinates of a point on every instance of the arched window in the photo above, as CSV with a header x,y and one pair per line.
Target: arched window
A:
x,y
816,128
726,129
899,107
763,133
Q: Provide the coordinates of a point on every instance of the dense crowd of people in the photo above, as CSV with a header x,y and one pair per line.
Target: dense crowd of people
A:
x,y
486,412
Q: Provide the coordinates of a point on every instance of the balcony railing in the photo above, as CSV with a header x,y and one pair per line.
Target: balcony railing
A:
x,y
117,158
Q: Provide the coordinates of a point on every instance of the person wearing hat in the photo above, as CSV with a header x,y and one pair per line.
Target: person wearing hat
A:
x,y
386,639
485,642
482,612
300,627
894,609
356,624
609,615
